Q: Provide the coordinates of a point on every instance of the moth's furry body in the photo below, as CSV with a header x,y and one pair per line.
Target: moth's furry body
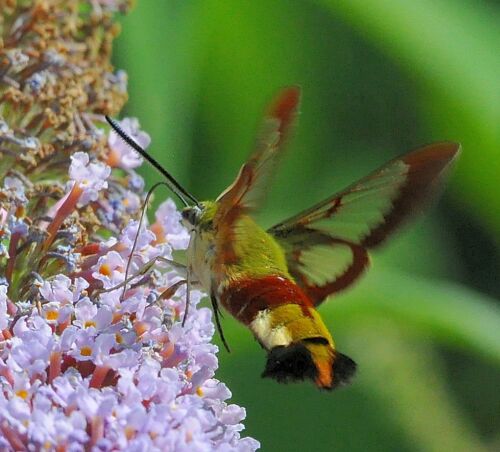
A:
x,y
272,281
254,284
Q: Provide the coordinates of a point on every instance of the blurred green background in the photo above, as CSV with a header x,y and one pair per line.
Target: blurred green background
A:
x,y
379,77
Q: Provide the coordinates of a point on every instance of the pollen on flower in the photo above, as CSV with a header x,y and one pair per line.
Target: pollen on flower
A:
x,y
199,391
22,393
52,315
117,316
105,270
129,432
20,211
113,159
89,324
140,328
86,351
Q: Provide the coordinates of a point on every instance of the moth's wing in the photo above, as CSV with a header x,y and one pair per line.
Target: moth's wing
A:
x,y
327,245
249,187
246,192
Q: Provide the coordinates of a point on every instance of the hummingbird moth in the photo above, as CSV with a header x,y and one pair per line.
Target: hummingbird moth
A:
x,y
274,280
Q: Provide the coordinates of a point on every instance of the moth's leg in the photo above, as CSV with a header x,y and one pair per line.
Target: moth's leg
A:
x,y
136,238
217,312
143,270
169,292
188,295
171,262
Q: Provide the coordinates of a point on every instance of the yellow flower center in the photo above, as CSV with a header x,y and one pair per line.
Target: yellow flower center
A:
x,y
129,432
105,270
22,393
86,351
89,323
52,315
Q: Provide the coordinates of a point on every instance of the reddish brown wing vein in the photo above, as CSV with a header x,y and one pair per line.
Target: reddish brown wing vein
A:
x,y
425,167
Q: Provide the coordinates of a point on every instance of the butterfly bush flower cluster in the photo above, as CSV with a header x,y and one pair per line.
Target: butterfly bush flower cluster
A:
x,y
86,361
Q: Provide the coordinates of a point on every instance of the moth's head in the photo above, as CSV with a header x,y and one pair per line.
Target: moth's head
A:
x,y
200,216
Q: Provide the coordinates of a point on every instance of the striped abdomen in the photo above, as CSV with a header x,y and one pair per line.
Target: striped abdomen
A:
x,y
285,322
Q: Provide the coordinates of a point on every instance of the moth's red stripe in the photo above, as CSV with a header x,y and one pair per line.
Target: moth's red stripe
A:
x,y
245,298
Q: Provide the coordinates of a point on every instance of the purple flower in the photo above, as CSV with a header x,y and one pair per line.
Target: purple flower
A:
x,y
60,289
90,176
86,361
110,269
168,226
16,188
121,155
125,370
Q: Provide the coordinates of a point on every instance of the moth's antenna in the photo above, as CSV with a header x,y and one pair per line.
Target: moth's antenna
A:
x,y
172,183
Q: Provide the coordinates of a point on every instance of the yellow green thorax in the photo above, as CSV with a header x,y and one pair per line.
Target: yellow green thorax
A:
x,y
258,254
257,251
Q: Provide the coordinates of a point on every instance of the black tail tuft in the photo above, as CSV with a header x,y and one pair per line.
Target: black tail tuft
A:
x,y
295,362
344,369
290,363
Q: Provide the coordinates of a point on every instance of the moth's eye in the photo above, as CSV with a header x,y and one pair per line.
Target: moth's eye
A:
x,y
191,215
